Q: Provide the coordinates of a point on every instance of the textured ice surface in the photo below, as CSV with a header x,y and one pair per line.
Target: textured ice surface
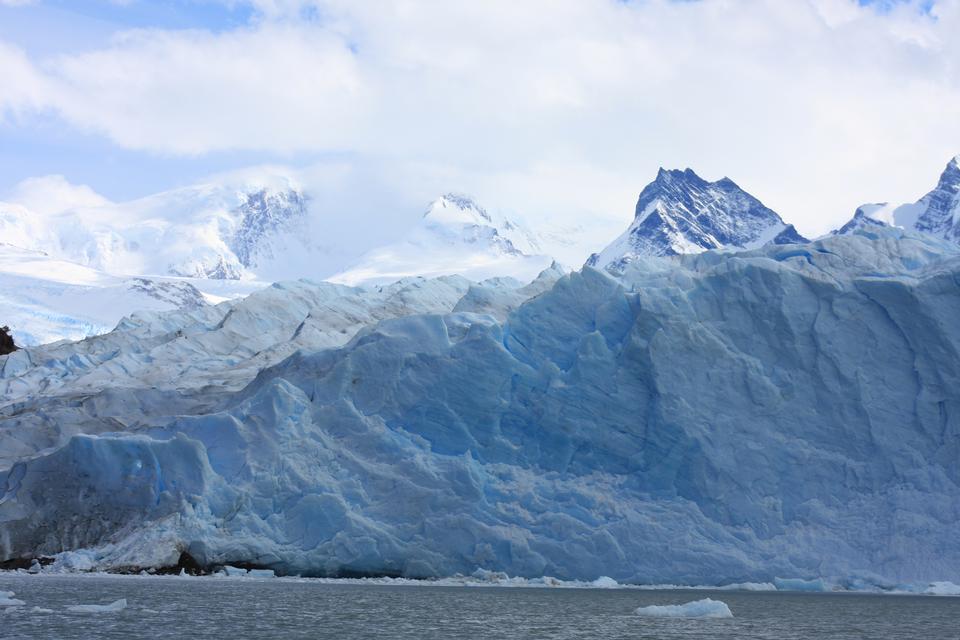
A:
x,y
706,608
113,607
713,419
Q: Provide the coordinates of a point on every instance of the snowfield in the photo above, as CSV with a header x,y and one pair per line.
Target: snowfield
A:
x,y
706,419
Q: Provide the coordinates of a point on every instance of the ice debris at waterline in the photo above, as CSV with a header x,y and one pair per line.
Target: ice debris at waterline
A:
x,y
716,418
7,599
706,608
237,572
943,589
113,607
796,584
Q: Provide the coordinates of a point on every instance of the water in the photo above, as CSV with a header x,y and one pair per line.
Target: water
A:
x,y
173,607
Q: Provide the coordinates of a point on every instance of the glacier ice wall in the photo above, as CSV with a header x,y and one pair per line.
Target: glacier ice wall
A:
x,y
787,411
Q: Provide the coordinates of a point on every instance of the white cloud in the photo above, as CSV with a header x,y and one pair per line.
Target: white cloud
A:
x,y
53,194
559,108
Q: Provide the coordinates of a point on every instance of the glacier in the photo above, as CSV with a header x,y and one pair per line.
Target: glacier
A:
x,y
786,412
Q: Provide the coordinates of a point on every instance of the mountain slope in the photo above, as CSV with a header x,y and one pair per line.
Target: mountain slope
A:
x,y
867,214
679,212
454,236
788,411
231,229
936,213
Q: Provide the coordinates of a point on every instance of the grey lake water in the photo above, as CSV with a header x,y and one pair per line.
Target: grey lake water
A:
x,y
171,607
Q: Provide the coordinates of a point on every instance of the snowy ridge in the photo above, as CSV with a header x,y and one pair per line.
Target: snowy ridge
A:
x,y
679,213
735,401
455,236
936,213
223,230
867,214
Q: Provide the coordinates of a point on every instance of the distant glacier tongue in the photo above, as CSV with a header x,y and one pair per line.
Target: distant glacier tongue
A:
x,y
791,411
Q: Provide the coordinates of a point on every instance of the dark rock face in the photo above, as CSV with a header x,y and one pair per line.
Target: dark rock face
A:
x,y
680,212
6,341
942,205
265,213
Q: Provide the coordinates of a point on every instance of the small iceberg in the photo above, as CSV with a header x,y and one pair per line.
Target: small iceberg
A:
x,y
935,589
7,599
118,605
605,582
261,573
706,608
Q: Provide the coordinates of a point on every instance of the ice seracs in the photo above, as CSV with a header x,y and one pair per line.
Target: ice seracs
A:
x,y
680,212
717,418
454,236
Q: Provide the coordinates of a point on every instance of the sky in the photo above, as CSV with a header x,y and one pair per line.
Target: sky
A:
x,y
559,111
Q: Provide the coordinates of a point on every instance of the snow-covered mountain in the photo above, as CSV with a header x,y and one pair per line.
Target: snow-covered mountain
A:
x,y
865,215
224,238
77,267
790,411
454,236
73,264
937,213
680,212
233,230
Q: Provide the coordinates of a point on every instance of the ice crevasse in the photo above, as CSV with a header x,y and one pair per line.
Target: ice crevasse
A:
x,y
722,417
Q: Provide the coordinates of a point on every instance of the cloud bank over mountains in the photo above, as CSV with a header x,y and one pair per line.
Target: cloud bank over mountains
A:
x,y
558,109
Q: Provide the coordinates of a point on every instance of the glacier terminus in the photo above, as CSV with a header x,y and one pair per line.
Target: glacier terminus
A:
x,y
708,418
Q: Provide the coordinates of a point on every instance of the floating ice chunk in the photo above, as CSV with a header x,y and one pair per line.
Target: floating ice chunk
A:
x,y
117,605
7,599
40,610
943,589
234,571
605,582
706,608
797,584
261,573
